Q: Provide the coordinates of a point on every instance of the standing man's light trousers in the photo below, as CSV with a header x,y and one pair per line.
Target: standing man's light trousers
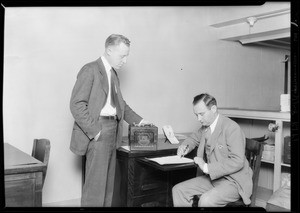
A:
x,y
100,167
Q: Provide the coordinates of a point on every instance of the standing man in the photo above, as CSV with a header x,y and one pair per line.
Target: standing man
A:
x,y
223,174
98,108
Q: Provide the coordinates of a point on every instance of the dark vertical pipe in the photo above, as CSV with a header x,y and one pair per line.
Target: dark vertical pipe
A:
x,y
286,69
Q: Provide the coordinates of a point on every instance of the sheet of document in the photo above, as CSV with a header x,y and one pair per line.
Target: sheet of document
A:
x,y
174,159
126,148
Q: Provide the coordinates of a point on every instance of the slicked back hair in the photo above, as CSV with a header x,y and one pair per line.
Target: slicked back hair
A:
x,y
208,100
116,39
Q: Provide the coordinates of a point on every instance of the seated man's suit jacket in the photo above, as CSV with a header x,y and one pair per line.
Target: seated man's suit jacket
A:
x,y
226,157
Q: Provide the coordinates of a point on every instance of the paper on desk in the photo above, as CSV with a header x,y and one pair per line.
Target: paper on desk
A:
x,y
174,159
126,148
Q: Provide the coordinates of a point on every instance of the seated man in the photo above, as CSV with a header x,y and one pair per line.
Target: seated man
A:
x,y
223,174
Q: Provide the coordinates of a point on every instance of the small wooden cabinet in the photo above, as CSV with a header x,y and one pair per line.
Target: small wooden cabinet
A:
x,y
143,185
140,185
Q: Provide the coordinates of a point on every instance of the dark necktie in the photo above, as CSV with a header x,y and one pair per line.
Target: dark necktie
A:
x,y
207,145
114,97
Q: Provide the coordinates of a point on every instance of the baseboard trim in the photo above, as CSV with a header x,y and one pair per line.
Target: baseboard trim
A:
x,y
260,203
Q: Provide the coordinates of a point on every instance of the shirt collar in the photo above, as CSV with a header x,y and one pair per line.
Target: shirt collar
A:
x,y
106,64
213,125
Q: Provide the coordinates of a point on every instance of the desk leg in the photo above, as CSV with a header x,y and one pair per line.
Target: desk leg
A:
x,y
170,186
278,156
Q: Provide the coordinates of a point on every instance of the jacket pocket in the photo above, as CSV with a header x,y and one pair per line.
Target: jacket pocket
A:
x,y
223,150
79,142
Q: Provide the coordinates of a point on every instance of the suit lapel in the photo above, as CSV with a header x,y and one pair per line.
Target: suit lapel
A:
x,y
103,78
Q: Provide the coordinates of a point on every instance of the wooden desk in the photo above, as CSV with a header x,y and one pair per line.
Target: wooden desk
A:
x,y
143,184
23,178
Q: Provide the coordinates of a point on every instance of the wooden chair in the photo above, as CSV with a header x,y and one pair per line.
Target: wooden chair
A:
x,y
254,148
41,151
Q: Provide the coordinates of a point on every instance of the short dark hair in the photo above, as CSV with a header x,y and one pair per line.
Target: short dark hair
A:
x,y
207,99
116,39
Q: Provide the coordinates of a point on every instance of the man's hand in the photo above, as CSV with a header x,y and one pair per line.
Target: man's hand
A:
x,y
199,161
182,150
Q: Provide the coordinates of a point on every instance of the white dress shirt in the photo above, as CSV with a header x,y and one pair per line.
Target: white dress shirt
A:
x,y
108,110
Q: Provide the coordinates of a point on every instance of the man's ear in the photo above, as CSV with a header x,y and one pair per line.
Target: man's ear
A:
x,y
108,50
213,108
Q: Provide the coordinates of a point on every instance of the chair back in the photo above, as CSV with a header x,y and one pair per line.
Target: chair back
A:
x,y
41,151
253,153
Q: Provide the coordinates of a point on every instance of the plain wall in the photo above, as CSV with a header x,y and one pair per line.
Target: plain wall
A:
x,y
175,55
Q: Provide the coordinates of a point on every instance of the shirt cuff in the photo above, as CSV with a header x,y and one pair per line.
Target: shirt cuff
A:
x,y
205,168
141,122
97,136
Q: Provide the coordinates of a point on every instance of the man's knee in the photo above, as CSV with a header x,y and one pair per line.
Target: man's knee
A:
x,y
176,188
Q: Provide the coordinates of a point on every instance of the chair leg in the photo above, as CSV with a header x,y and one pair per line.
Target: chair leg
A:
x,y
196,199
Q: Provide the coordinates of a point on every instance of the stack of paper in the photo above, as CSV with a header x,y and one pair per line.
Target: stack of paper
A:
x,y
285,100
126,148
174,159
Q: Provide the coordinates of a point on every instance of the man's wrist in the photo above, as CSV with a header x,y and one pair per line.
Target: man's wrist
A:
x,y
141,121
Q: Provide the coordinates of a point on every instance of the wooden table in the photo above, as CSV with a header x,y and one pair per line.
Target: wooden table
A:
x,y
140,183
23,178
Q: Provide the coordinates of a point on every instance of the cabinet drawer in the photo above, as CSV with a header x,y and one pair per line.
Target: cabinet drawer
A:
x,y
20,193
147,180
23,190
155,200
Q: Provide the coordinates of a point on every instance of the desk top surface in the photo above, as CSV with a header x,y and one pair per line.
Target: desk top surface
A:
x,y
13,157
164,148
167,167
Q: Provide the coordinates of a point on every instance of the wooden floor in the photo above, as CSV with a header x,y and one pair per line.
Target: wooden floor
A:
x,y
263,196
67,203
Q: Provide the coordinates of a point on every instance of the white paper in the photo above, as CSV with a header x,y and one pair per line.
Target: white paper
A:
x,y
126,148
174,159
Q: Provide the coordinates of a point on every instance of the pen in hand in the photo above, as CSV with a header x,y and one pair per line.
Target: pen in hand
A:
x,y
185,149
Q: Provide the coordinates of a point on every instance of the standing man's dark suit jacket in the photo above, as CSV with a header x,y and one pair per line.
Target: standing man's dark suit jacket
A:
x,y
88,98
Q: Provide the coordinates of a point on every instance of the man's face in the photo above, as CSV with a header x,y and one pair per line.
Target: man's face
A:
x,y
117,55
204,115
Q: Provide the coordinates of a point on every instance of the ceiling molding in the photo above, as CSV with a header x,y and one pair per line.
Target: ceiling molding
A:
x,y
258,16
259,28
